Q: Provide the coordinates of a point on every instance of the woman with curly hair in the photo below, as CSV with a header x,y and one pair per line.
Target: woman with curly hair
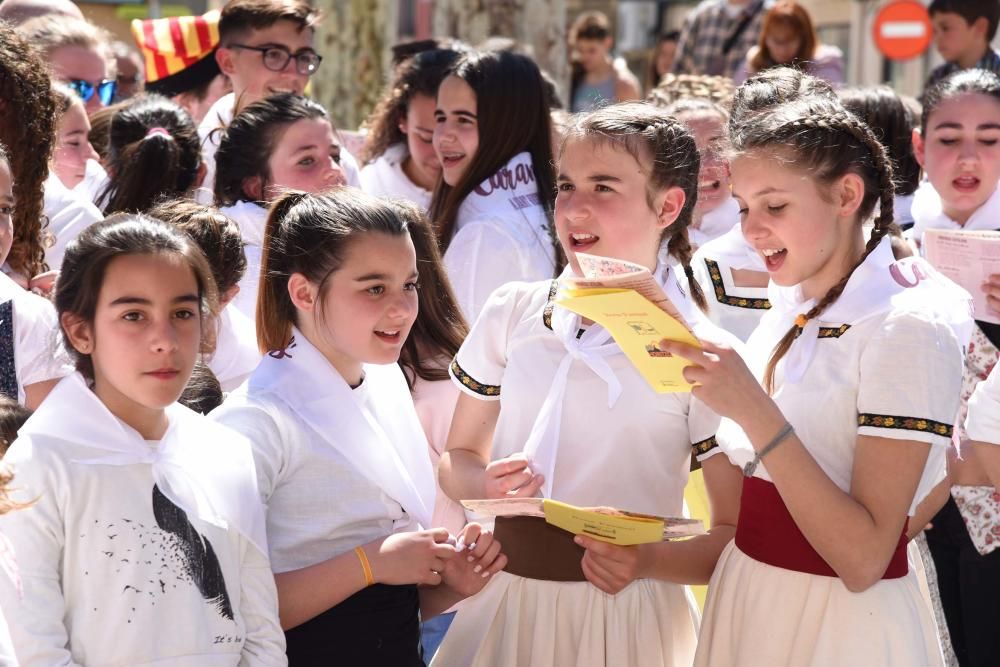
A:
x,y
29,132
398,156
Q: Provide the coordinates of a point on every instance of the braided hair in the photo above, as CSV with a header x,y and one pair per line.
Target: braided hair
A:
x,y
648,133
826,141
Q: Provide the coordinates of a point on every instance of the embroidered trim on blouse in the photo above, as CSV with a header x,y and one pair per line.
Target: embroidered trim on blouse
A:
x,y
704,446
8,372
550,304
833,332
906,424
473,384
725,299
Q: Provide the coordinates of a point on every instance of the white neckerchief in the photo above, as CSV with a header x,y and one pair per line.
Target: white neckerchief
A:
x,y
510,191
880,284
387,445
251,218
202,467
592,349
928,213
716,222
732,250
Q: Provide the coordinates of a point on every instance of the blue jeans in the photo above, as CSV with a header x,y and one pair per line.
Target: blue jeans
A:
x,y
432,633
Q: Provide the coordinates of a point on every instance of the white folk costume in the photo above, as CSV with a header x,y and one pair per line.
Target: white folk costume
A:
x,y
501,235
772,599
251,218
137,552
68,214
30,349
601,436
236,353
338,467
736,309
715,223
384,177
983,422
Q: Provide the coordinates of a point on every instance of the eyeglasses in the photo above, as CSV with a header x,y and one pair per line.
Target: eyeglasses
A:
x,y
105,90
276,58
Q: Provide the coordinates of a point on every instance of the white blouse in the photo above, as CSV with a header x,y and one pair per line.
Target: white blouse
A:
x,y
983,422
887,364
501,235
34,332
68,213
251,218
329,481
736,309
384,177
634,454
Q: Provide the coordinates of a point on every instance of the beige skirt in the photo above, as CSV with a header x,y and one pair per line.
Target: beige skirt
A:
x,y
757,615
531,623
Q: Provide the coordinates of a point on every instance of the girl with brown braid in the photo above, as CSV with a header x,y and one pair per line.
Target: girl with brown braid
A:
x,y
839,431
536,379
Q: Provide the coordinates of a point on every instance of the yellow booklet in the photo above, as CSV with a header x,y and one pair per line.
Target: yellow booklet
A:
x,y
637,325
602,523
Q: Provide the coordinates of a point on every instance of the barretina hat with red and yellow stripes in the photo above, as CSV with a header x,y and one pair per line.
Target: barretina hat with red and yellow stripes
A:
x,y
179,52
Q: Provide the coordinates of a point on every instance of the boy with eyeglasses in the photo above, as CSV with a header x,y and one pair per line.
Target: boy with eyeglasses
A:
x,y
265,48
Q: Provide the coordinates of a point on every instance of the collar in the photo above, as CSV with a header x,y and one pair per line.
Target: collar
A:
x,y
879,285
202,467
382,437
928,213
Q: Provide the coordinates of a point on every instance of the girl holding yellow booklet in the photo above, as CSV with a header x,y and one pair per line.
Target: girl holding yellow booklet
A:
x,y
552,406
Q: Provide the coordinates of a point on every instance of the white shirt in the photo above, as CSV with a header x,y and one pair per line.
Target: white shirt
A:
x,y
116,569
38,351
715,223
236,353
983,422
68,213
384,177
251,219
501,235
95,180
891,368
736,309
634,455
330,482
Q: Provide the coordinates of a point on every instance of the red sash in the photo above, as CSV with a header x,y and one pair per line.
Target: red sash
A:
x,y
767,533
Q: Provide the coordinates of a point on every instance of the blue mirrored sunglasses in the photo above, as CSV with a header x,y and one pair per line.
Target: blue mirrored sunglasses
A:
x,y
105,90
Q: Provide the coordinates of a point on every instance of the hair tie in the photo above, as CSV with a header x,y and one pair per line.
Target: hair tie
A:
x,y
800,321
158,130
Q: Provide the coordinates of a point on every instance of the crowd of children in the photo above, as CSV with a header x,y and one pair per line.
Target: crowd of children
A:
x,y
246,380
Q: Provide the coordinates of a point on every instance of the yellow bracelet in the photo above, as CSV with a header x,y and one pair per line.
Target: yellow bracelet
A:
x,y
369,579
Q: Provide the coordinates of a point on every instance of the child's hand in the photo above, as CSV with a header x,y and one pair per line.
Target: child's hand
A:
x,y
410,558
992,289
470,570
610,567
725,384
512,478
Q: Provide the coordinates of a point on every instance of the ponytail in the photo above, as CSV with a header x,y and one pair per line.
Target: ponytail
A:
x,y
153,153
275,311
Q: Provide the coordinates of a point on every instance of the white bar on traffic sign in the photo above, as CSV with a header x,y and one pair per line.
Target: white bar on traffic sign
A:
x,y
903,29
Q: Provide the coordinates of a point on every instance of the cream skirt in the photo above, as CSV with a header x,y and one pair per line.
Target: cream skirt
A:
x,y
757,615
530,623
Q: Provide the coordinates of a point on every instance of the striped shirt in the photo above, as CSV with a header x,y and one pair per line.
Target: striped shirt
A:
x,y
706,30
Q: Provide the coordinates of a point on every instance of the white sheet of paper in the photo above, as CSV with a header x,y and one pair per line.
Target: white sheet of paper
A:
x,y
968,258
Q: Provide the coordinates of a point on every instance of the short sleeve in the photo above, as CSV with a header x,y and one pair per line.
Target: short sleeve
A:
x,y
703,425
38,352
481,258
262,430
479,366
983,422
911,378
